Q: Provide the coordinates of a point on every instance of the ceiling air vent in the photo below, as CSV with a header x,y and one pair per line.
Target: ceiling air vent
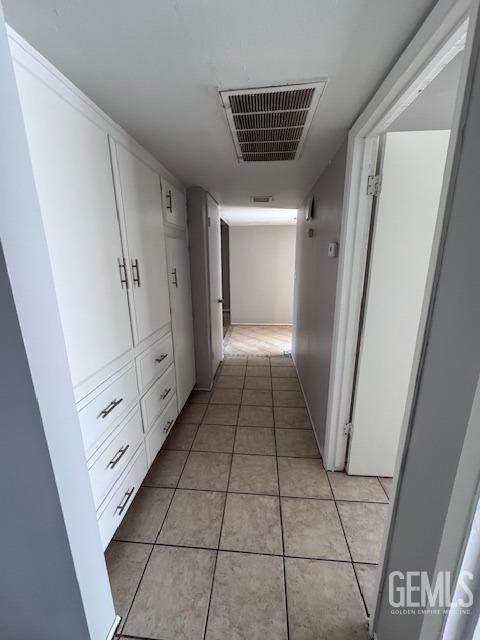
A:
x,y
261,199
271,123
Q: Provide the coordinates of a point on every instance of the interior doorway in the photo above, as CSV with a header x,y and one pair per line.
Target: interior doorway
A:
x,y
411,161
403,227
259,262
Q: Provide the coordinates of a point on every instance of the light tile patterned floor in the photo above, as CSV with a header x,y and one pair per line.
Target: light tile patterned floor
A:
x,y
260,340
238,531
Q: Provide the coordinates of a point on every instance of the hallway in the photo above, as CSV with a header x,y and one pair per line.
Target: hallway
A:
x,y
238,531
258,340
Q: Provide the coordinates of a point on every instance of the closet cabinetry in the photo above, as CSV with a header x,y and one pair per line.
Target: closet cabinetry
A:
x,y
73,176
140,205
174,205
182,319
104,218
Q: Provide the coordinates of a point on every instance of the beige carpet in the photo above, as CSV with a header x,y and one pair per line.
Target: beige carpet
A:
x,y
245,339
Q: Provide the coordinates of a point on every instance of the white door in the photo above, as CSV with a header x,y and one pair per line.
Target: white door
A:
x,y
73,175
141,202
413,167
215,271
178,262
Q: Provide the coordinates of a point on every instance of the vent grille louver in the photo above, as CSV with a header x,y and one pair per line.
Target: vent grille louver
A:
x,y
270,123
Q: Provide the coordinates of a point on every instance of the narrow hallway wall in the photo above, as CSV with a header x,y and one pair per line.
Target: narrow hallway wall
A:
x,y
315,286
262,260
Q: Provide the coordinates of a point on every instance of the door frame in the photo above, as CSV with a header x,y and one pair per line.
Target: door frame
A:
x,y
219,275
439,39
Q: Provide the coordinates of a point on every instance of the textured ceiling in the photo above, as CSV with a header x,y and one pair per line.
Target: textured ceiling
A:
x,y
155,66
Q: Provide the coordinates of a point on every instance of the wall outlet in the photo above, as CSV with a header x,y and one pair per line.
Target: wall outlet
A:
x,y
333,250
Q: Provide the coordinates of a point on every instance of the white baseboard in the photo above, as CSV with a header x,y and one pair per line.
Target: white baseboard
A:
x,y
114,627
308,409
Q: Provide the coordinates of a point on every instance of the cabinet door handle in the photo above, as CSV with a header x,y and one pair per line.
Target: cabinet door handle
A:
x,y
136,273
175,280
109,408
165,393
168,198
123,272
161,358
167,427
117,457
127,495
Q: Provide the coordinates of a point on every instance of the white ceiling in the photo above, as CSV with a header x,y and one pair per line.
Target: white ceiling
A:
x,y
155,66
247,216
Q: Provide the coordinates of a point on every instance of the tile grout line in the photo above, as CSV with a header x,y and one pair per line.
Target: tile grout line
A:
x,y
281,529
124,622
349,550
245,552
214,571
255,493
384,490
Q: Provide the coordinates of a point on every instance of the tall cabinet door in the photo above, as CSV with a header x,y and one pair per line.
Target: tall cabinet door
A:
x,y
215,278
73,175
182,320
174,205
141,203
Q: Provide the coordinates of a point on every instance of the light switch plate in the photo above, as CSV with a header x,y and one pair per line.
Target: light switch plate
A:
x,y
333,250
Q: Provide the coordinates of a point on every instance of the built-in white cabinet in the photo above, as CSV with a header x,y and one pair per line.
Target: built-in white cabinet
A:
x,y
73,176
104,214
140,205
182,320
174,205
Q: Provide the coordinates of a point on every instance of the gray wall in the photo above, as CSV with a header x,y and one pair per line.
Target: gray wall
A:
x,y
39,593
315,285
446,383
197,217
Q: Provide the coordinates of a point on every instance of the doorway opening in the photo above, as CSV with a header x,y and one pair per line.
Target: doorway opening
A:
x,y
403,162
258,264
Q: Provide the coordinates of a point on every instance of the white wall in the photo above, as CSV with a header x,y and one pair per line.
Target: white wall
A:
x,y
262,264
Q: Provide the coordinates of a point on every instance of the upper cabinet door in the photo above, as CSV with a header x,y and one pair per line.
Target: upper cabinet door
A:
x,y
73,175
182,320
174,205
141,202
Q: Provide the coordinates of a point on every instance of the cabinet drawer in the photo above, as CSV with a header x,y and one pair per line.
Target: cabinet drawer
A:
x,y
109,465
157,398
160,430
116,505
154,361
174,205
100,412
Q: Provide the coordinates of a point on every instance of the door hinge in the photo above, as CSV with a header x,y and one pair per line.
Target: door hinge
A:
x,y
347,429
209,222
374,185
212,355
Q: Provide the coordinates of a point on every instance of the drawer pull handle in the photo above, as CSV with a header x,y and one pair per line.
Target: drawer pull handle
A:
x,y
121,507
168,197
165,393
117,457
161,358
136,273
167,427
175,278
109,408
